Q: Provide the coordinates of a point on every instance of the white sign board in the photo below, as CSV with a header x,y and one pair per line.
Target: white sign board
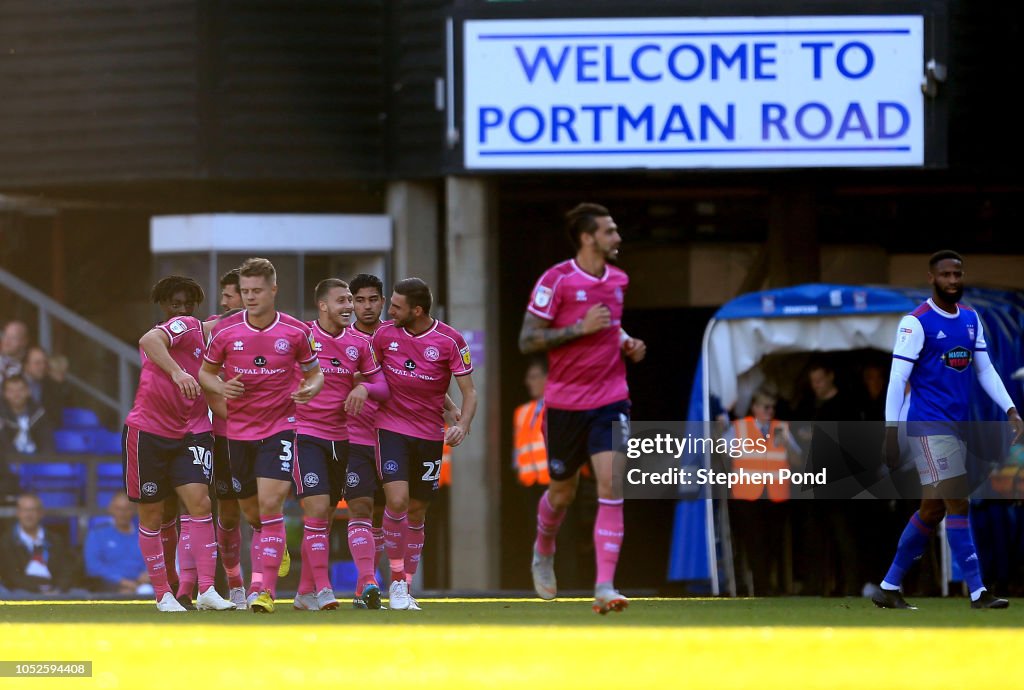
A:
x,y
725,92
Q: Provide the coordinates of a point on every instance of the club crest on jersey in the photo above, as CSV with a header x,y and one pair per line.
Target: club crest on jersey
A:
x,y
352,353
178,327
282,346
260,361
431,353
310,480
149,488
352,480
391,467
581,295
238,345
958,359
542,297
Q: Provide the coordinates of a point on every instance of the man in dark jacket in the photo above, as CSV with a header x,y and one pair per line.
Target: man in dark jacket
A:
x,y
32,558
24,426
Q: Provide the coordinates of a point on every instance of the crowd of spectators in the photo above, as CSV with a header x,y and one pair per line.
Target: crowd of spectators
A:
x,y
38,560
34,392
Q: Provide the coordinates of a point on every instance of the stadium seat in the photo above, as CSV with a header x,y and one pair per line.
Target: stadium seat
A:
x,y
344,576
80,418
72,441
104,442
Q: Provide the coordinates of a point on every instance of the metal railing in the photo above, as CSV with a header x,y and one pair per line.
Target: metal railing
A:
x,y
50,310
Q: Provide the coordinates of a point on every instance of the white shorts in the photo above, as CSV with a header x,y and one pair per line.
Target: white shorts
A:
x,y
938,457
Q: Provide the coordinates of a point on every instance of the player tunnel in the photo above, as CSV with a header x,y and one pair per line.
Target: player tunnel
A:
x,y
771,335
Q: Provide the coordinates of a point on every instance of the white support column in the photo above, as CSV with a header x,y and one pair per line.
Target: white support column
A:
x,y
473,308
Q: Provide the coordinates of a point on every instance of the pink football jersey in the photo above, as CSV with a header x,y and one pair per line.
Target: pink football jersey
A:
x,y
265,358
418,369
160,408
341,356
588,372
362,428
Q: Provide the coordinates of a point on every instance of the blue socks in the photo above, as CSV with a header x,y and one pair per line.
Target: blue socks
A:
x,y
961,543
912,545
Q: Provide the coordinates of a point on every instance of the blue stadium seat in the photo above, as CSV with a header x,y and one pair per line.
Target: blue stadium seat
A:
x,y
72,441
344,576
104,442
109,472
59,498
80,418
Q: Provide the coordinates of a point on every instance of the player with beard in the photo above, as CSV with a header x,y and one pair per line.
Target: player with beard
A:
x,y
322,439
575,315
419,356
935,347
258,350
167,443
365,542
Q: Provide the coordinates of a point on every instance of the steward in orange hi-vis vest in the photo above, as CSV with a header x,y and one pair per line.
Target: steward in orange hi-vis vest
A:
x,y
771,461
530,456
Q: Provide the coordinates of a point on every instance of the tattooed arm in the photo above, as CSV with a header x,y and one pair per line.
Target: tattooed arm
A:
x,y
537,336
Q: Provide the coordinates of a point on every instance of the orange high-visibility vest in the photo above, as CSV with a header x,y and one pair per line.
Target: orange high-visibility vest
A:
x,y
772,461
528,450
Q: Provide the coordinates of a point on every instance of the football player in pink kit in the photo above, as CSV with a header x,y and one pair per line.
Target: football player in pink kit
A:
x,y
361,482
575,314
229,535
321,447
258,350
419,356
166,442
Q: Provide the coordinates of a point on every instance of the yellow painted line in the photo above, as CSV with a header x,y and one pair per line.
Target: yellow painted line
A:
x,y
154,657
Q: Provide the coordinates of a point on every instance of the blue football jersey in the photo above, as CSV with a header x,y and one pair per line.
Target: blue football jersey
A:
x,y
941,346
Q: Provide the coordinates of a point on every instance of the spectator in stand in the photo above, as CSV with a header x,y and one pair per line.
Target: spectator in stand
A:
x,y
48,393
113,560
24,426
32,558
13,347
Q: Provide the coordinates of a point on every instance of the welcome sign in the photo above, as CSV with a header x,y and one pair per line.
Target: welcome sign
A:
x,y
726,92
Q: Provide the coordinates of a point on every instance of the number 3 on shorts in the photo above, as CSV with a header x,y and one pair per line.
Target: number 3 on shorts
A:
x,y
433,470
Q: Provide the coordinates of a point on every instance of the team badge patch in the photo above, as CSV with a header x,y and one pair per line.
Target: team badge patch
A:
x,y
352,353
149,488
391,467
542,297
431,353
352,480
178,326
466,359
236,485
310,480
282,346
